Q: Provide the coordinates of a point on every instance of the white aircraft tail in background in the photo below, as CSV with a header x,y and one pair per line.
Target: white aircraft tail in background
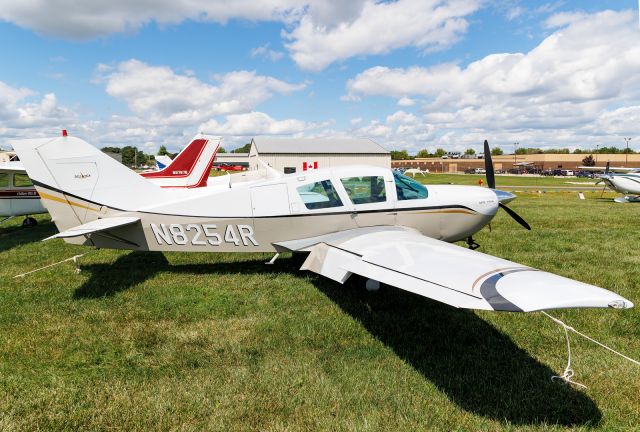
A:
x,y
162,161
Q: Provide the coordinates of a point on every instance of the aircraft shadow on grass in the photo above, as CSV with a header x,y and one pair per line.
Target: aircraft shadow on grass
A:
x,y
14,236
476,366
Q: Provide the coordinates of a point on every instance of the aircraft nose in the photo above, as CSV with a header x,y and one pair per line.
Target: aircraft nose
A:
x,y
504,197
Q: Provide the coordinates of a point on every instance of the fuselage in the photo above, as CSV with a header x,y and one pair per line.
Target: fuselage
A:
x,y
627,183
252,216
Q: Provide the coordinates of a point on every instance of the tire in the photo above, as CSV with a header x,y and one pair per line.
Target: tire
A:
x,y
29,222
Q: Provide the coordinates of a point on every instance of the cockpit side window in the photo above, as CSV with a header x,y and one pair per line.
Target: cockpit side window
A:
x,y
408,189
365,190
319,195
4,180
21,180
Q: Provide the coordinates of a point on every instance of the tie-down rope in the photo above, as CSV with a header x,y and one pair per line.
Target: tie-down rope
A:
x,y
568,371
73,258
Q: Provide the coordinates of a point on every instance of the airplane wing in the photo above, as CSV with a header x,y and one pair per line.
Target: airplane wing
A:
x,y
613,169
95,226
460,277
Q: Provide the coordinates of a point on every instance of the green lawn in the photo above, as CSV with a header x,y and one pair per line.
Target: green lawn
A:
x,y
222,342
502,180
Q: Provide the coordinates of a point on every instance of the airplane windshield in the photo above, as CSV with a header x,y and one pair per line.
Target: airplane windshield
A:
x,y
408,189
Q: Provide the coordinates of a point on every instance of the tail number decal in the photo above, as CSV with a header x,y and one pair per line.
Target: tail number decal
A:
x,y
203,234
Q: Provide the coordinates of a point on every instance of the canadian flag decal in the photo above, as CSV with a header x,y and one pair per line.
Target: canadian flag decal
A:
x,y
309,165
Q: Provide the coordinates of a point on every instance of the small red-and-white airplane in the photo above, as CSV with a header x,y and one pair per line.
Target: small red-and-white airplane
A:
x,y
189,169
361,220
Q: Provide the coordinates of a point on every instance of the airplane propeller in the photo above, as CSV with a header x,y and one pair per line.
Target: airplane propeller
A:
x,y
491,182
606,175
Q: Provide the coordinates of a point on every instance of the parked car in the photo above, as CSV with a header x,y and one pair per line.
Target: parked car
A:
x,y
585,174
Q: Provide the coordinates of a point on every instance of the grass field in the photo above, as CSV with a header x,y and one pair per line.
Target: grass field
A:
x,y
222,342
503,180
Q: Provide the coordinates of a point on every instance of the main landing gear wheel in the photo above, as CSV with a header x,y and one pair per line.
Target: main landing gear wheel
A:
x,y
472,243
29,222
372,285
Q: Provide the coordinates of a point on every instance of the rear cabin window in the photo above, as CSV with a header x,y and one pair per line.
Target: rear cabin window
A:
x,y
408,189
365,190
319,195
4,180
21,180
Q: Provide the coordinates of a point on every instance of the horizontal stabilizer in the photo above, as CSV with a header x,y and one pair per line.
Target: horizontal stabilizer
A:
x,y
96,226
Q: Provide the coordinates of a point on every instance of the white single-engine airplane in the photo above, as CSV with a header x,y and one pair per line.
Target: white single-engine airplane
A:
x,y
416,171
360,220
622,180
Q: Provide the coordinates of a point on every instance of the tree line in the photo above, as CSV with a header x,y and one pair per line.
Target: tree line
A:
x,y
129,156
497,151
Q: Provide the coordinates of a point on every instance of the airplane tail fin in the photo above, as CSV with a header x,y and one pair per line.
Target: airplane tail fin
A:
x,y
78,183
162,161
191,167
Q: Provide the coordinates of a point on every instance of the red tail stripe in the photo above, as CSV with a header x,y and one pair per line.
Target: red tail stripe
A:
x,y
185,161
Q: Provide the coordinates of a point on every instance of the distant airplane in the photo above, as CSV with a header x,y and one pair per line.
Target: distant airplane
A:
x,y
414,171
361,220
18,196
622,180
191,167
162,161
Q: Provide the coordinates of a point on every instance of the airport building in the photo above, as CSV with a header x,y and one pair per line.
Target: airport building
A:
x,y
290,155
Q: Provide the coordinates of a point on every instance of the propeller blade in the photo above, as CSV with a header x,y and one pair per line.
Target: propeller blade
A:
x,y
606,170
515,216
488,166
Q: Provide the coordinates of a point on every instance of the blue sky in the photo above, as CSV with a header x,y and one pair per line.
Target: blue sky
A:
x,y
409,74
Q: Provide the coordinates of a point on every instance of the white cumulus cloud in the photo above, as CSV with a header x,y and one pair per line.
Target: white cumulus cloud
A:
x,y
319,32
379,28
161,95
578,77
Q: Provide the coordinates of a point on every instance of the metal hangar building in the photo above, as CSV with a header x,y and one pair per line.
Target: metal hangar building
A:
x,y
290,155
